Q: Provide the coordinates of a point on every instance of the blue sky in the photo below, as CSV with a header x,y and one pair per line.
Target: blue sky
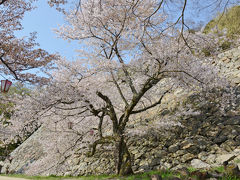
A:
x,y
43,20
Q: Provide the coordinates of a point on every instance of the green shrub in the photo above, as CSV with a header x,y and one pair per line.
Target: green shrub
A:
x,y
225,45
206,52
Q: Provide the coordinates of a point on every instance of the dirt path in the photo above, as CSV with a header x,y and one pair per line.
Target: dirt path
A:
x,y
10,178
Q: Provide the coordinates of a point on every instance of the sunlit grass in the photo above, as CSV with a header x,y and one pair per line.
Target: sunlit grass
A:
x,y
140,176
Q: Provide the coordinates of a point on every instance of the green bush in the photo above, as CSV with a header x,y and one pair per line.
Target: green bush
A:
x,y
206,52
225,45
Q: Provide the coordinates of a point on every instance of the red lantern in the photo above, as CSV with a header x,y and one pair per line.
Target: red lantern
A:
x,y
5,85
91,132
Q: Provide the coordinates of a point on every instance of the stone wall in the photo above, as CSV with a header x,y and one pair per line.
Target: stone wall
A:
x,y
202,141
229,63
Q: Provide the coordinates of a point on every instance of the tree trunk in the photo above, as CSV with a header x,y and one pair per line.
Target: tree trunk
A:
x,y
123,158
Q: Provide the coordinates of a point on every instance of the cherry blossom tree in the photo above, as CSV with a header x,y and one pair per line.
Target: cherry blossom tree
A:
x,y
19,55
133,56
20,58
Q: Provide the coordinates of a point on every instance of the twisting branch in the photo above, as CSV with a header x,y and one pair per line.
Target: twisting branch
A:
x,y
146,86
157,9
104,140
78,7
100,124
153,105
184,72
119,89
184,25
111,111
127,75
9,68
113,78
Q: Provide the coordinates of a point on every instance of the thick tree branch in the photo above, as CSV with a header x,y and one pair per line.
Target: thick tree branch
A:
x,y
111,111
147,85
100,124
104,140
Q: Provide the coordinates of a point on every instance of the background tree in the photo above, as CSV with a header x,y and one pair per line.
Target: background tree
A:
x,y
21,60
19,55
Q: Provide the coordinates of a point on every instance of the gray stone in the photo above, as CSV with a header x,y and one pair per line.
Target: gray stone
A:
x,y
187,157
220,139
211,159
155,162
232,121
222,158
203,156
235,59
236,52
237,151
145,168
166,165
221,55
225,146
5,168
161,154
173,148
198,164
156,177
238,165
180,153
194,149
68,173
135,168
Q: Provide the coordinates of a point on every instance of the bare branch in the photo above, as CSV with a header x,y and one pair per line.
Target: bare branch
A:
x,y
9,68
119,89
129,80
157,9
153,105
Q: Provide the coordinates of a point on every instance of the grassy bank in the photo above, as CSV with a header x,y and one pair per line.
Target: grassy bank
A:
x,y
189,173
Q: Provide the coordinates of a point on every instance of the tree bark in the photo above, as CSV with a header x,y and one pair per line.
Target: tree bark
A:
x,y
123,158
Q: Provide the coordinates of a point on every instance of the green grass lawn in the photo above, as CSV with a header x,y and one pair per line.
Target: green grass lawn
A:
x,y
140,176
